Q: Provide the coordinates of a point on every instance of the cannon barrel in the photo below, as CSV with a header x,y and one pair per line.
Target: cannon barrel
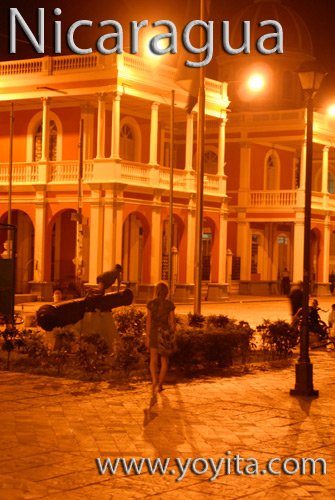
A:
x,y
69,312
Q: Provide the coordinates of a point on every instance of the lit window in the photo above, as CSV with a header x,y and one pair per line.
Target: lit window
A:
x,y
127,143
52,142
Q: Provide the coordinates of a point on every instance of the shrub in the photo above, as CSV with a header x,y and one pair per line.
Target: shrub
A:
x,y
92,353
12,338
279,337
35,345
213,346
127,353
195,320
64,341
220,321
130,321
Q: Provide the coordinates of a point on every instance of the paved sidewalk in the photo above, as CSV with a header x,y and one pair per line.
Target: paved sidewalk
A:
x,y
52,430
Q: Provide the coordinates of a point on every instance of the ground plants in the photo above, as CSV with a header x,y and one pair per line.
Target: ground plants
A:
x,y
12,338
278,337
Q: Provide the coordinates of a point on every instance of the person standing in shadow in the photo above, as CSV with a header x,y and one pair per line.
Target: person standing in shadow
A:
x,y
160,328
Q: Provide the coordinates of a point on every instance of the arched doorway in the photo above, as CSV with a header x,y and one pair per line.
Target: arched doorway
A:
x,y
207,244
63,247
132,249
283,254
24,270
177,232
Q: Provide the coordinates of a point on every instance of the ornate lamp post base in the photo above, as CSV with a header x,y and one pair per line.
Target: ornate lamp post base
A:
x,y
304,380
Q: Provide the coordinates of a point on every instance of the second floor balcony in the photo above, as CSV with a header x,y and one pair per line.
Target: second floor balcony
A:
x,y
64,175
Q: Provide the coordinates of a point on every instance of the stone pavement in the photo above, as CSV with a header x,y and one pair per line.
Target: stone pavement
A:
x,y
52,430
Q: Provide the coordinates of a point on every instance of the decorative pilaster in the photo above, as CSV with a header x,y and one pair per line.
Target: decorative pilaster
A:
x,y
189,142
190,276
39,243
303,166
87,114
112,237
326,249
223,244
153,134
156,239
96,236
115,140
45,130
325,154
245,165
298,248
101,129
222,143
244,246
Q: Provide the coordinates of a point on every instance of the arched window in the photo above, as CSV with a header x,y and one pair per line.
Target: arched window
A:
x,y
52,142
271,174
330,183
127,143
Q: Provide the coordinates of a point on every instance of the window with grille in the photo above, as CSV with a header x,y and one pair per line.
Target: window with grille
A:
x,y
210,162
127,143
52,142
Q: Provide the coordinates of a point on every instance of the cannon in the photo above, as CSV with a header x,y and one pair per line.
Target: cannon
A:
x,y
69,312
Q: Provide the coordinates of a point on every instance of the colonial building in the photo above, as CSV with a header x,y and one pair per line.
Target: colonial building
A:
x,y
266,162
124,105
255,162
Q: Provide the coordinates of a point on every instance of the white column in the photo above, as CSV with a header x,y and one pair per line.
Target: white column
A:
x,y
115,140
39,243
189,142
190,240
222,144
101,129
298,248
325,154
154,134
244,247
87,114
303,166
245,165
96,236
45,129
156,240
112,236
223,245
326,250
118,232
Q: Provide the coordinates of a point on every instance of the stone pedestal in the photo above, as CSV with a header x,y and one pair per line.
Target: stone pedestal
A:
x,y
183,293
320,289
259,288
42,289
217,292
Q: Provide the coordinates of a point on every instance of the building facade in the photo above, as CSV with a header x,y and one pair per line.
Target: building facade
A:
x,y
123,105
255,164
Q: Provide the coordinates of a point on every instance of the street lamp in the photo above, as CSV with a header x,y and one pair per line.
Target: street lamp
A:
x,y
310,75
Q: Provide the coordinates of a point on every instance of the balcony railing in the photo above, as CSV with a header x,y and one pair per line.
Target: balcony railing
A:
x,y
272,198
64,172
22,173
105,171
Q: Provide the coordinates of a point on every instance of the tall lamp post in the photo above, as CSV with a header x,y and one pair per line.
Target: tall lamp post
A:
x,y
310,75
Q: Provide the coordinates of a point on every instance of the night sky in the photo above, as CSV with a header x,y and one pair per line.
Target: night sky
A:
x,y
319,16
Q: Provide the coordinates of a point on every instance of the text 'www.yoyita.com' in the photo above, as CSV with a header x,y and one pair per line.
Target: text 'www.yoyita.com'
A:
x,y
213,467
